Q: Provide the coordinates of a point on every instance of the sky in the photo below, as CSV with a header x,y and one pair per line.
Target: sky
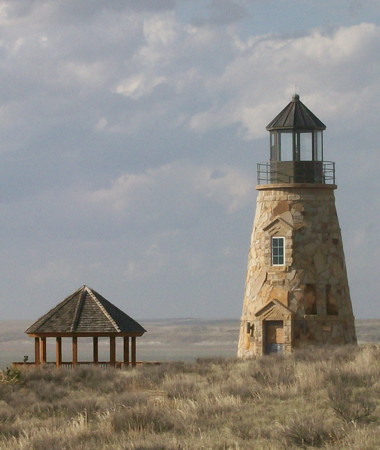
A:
x,y
130,133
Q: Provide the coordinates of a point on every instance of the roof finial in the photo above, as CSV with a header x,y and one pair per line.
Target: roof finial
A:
x,y
295,97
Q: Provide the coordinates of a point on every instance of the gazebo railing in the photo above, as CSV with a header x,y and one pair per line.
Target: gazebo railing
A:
x,y
71,365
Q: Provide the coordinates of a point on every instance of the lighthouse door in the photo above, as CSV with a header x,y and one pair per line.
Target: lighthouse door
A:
x,y
274,336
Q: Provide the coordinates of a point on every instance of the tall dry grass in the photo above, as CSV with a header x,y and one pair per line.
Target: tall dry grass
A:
x,y
316,398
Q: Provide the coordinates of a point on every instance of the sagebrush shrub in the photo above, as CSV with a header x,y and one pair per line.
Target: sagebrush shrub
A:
x,y
309,431
185,387
6,391
7,414
273,370
152,376
153,418
47,391
85,404
48,443
130,399
100,380
348,378
216,406
240,388
8,430
351,406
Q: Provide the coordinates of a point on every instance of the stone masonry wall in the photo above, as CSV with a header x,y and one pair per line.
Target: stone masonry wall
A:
x,y
312,285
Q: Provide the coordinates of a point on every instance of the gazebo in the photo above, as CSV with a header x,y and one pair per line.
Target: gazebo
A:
x,y
85,313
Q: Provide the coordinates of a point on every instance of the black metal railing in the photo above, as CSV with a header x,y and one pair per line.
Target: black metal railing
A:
x,y
277,172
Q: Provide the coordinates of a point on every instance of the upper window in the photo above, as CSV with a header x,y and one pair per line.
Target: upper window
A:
x,y
286,146
278,251
305,146
296,145
318,146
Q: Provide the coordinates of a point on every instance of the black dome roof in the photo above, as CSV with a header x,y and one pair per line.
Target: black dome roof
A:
x,y
296,116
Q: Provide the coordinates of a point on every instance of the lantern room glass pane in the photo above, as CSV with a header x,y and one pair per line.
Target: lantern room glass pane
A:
x,y
286,145
273,152
318,146
306,146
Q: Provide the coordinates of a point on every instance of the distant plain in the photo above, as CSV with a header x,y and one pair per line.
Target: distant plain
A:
x,y
165,340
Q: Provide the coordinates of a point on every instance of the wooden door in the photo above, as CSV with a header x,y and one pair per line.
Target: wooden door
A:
x,y
274,336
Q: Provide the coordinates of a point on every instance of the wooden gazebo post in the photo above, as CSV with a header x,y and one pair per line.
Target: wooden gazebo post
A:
x,y
133,351
58,351
112,350
126,350
75,350
37,359
43,350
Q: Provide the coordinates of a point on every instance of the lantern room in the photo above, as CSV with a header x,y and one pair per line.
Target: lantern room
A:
x,y
296,148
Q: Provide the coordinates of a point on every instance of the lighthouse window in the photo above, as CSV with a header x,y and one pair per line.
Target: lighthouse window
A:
x,y
273,150
318,146
305,146
286,146
278,251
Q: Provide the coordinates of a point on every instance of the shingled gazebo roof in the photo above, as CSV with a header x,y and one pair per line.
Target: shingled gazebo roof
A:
x,y
85,312
296,116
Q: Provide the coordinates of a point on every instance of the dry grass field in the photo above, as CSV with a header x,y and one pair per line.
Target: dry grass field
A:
x,y
326,398
202,399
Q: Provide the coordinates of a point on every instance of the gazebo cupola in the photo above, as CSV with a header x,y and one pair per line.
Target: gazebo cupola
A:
x,y
296,147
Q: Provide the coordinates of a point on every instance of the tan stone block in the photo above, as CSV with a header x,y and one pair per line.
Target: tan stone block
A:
x,y
280,207
319,260
279,294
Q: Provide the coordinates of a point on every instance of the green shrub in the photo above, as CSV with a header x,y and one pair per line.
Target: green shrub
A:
x,y
10,375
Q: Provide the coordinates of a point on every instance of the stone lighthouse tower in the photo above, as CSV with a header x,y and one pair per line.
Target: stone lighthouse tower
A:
x,y
296,290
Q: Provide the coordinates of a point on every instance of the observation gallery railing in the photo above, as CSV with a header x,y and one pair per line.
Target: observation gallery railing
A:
x,y
278,172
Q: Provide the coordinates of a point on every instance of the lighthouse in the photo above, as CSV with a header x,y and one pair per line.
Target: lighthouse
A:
x,y
296,291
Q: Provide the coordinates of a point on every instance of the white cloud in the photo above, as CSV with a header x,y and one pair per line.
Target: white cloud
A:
x,y
138,85
229,187
160,30
345,44
86,74
124,191
179,184
254,81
